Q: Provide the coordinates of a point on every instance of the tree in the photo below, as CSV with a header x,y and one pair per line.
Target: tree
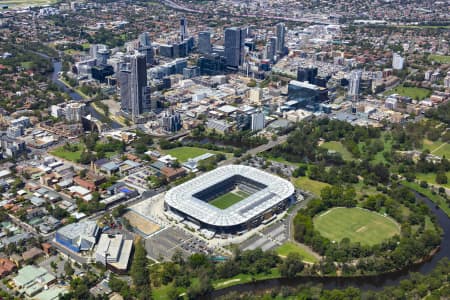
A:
x,y
197,260
172,293
68,269
139,271
83,173
292,265
300,171
119,210
441,177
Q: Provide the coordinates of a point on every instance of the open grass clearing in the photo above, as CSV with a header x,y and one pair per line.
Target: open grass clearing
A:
x,y
290,247
69,155
359,225
438,148
443,59
413,92
307,184
184,153
281,160
428,224
339,148
442,150
245,278
430,145
431,178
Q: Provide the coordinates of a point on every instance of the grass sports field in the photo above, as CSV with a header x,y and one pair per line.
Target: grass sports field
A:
x,y
443,59
184,153
359,225
413,92
228,199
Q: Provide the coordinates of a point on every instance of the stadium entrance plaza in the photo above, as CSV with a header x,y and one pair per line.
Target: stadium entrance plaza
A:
x,y
173,235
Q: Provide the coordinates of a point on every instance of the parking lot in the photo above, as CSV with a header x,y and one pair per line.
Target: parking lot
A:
x,y
138,179
163,244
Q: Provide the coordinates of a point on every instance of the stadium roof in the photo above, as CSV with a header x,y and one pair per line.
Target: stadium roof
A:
x,y
276,191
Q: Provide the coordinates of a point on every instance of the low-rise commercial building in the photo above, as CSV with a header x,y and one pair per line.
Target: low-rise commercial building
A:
x,y
114,251
78,237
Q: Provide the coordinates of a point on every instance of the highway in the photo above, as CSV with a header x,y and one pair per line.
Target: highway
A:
x,y
261,16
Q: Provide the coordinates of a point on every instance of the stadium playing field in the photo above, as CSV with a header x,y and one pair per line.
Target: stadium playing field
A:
x,y
228,199
358,225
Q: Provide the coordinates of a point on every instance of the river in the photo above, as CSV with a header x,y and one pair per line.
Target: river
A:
x,y
375,283
57,65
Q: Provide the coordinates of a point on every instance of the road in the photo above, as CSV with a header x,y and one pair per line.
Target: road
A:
x,y
271,144
260,16
22,224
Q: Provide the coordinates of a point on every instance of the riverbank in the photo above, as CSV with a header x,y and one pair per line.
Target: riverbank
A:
x,y
364,283
78,91
436,198
241,279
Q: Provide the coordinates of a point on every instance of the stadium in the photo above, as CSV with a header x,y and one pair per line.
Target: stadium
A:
x,y
230,199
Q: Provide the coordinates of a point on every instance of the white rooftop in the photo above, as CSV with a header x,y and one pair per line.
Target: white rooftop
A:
x,y
275,191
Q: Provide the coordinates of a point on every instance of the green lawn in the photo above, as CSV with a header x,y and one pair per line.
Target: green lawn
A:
x,y
430,145
184,153
437,199
245,278
379,157
442,151
338,147
228,200
428,224
161,293
363,189
443,59
27,65
280,160
68,155
438,148
359,225
413,92
307,184
431,178
289,247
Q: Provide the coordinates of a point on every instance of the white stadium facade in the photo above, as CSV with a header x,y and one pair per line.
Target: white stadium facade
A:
x,y
267,196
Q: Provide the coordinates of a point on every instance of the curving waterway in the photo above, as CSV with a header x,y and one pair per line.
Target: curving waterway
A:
x,y
57,65
376,282
73,94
